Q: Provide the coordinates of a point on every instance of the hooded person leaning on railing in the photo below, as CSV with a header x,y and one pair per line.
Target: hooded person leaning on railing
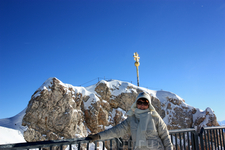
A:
x,y
147,128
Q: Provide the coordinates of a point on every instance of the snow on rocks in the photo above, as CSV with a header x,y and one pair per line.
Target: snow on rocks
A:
x,y
58,110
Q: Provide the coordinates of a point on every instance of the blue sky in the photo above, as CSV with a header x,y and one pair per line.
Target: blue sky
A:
x,y
181,46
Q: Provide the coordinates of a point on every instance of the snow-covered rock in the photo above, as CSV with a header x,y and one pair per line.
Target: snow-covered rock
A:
x,y
58,110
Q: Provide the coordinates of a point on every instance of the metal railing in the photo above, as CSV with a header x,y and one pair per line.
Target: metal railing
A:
x,y
212,138
209,138
184,138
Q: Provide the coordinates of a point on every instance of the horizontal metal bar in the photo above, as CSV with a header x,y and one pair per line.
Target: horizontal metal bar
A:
x,y
182,130
45,143
50,143
216,127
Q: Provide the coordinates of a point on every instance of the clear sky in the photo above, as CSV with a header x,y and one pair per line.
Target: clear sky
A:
x,y
181,44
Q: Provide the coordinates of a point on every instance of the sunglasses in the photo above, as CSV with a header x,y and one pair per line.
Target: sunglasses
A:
x,y
141,102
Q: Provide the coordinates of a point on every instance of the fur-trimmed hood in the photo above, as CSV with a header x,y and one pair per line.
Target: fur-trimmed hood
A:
x,y
134,105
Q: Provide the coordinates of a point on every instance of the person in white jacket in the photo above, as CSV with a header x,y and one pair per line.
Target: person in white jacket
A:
x,y
148,130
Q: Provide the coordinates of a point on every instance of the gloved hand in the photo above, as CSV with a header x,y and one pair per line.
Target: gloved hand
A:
x,y
93,137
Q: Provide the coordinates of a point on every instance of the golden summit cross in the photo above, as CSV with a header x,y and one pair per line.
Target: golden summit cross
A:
x,y
136,58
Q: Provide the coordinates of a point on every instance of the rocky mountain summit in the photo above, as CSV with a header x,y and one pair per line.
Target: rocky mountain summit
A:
x,y
58,110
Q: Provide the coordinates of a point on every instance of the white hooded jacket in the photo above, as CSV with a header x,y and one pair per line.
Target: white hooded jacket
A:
x,y
147,128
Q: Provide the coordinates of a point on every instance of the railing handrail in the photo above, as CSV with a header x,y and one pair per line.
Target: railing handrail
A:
x,y
215,127
45,143
182,130
50,143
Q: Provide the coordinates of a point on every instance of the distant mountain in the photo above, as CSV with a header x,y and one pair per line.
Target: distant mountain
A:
x,y
222,123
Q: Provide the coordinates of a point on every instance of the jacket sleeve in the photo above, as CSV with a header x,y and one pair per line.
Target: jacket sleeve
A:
x,y
164,134
116,131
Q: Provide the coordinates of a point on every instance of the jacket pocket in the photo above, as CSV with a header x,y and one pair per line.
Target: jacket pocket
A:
x,y
155,144
151,134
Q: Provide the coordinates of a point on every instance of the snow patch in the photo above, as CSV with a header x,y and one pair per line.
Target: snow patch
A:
x,y
9,136
162,96
93,99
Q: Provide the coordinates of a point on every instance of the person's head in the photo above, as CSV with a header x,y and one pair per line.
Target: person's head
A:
x,y
142,101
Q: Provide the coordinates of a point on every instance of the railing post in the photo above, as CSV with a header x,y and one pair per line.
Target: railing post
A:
x,y
195,140
217,139
88,146
201,138
205,139
214,138
103,145
119,143
96,146
223,130
79,146
180,141
129,143
176,140
111,144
